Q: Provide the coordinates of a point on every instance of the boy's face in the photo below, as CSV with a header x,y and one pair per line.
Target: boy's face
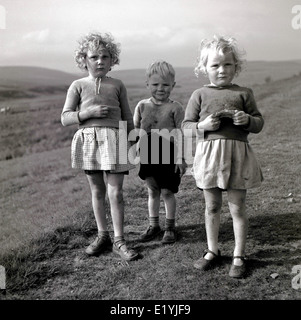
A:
x,y
160,88
220,68
98,62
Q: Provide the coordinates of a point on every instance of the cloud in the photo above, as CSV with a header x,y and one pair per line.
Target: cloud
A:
x,y
144,36
169,29
159,38
40,36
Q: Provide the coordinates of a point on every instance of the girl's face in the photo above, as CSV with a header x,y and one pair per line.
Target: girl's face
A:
x,y
220,68
98,62
160,88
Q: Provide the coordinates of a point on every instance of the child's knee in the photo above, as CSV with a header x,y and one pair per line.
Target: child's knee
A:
x,y
98,192
167,194
115,194
153,188
213,207
238,213
154,192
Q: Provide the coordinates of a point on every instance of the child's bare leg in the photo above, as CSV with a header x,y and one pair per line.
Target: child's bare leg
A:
x,y
98,192
170,203
153,197
213,200
170,209
237,199
154,193
115,195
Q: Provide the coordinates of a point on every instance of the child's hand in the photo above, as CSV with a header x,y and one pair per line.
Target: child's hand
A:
x,y
240,118
211,123
181,167
98,111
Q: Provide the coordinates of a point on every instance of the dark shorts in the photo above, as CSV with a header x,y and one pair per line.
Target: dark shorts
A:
x,y
162,171
164,175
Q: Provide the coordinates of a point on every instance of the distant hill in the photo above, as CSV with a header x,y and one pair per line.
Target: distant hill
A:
x,y
254,72
26,82
28,77
23,81
258,72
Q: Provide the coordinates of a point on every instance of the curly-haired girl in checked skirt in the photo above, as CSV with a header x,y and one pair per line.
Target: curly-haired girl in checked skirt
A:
x,y
99,105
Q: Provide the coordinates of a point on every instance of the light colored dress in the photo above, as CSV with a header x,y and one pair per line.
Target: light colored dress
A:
x,y
223,158
226,164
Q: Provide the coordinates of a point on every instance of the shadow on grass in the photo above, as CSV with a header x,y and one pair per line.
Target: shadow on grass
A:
x,y
272,230
277,239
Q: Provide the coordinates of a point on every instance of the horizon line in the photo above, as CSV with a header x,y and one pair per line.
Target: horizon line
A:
x,y
134,68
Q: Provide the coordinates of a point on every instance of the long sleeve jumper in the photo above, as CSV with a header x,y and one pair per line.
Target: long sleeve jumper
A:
x,y
209,99
87,92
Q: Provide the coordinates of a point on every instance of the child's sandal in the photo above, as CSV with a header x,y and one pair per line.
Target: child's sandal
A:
x,y
238,271
122,250
204,264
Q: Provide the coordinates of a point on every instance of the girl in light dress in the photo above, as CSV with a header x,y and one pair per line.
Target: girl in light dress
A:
x,y
222,114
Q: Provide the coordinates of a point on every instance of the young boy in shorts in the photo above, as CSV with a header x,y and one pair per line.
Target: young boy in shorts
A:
x,y
162,161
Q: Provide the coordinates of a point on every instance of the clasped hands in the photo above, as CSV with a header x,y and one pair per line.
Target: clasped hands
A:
x,y
213,121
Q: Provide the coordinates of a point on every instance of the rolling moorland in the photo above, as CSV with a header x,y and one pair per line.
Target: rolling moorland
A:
x,y
46,218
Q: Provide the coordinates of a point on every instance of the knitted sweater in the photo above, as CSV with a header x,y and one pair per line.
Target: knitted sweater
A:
x,y
149,115
160,119
87,92
209,99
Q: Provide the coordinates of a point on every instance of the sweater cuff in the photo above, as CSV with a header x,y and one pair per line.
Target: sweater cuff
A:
x,y
247,126
78,118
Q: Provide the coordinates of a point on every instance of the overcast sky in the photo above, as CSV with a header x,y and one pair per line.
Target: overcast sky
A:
x,y
45,32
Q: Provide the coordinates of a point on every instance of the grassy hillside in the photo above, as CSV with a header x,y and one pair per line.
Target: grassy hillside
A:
x,y
46,218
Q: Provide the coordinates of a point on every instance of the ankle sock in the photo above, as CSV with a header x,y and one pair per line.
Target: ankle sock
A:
x,y
104,234
170,223
238,262
118,239
154,221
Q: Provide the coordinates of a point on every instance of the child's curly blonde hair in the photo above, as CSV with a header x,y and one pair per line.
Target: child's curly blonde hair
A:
x,y
93,41
221,45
